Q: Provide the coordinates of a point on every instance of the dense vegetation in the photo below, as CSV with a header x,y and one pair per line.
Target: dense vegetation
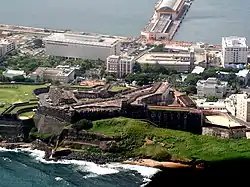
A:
x,y
149,73
211,99
83,124
140,139
30,63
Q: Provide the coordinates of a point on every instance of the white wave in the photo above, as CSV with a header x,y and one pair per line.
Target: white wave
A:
x,y
6,159
91,175
94,168
91,167
3,149
58,178
143,170
81,165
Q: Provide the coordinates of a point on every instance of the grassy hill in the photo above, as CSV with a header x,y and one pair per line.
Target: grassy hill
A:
x,y
11,93
140,139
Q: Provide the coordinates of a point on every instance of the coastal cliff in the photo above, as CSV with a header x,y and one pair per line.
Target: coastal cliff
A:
x,y
125,138
129,141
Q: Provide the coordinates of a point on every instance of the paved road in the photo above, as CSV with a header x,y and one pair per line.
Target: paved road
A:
x,y
42,99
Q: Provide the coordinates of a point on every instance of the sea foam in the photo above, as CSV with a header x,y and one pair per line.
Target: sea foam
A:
x,y
92,168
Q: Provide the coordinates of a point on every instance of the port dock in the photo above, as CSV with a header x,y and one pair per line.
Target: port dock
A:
x,y
166,20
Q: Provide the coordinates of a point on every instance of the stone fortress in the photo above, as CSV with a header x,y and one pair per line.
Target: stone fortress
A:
x,y
158,104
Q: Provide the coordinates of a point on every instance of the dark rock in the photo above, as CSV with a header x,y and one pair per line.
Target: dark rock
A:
x,y
96,158
11,146
61,153
109,146
38,144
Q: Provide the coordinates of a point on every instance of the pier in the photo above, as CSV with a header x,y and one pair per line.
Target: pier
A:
x,y
166,20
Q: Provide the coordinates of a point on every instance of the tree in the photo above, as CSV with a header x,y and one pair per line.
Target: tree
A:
x,y
109,78
212,99
141,78
18,78
136,67
211,72
83,124
191,89
192,79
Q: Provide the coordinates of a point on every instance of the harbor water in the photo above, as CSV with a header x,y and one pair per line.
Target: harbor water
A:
x,y
207,20
28,168
210,20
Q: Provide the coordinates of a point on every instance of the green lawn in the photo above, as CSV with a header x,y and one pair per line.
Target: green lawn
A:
x,y
19,94
22,107
118,88
81,86
178,144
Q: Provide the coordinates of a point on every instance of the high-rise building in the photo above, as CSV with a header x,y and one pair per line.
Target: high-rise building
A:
x,y
90,47
120,65
234,51
6,46
239,106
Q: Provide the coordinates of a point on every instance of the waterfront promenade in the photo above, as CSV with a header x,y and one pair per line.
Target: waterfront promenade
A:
x,y
45,31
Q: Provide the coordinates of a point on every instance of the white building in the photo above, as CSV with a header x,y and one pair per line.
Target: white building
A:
x,y
12,73
244,76
121,65
239,106
61,74
234,51
211,87
81,46
218,106
181,62
6,46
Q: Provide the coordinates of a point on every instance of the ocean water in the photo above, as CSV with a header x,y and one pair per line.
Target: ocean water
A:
x,y
115,17
27,168
207,20
210,20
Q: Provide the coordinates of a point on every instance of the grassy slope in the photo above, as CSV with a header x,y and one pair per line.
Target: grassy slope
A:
x,y
118,88
180,145
20,94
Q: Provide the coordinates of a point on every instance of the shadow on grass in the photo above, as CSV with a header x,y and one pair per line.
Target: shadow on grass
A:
x,y
214,173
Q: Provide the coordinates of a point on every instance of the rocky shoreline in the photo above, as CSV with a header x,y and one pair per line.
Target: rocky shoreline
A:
x,y
97,159
68,154
65,154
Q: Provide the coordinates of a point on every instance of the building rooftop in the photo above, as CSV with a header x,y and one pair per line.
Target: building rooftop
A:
x,y
81,39
223,120
168,5
121,57
162,24
165,58
211,82
198,70
52,71
12,73
203,103
234,41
